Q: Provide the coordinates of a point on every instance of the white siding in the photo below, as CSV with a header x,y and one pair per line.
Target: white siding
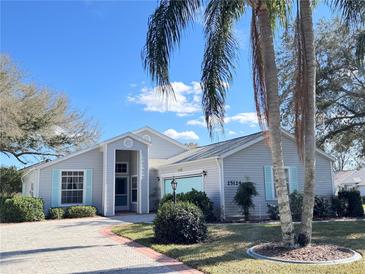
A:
x,y
211,180
250,163
92,159
160,148
30,181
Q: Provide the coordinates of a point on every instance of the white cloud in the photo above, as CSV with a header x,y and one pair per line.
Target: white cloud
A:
x,y
187,99
231,132
197,122
183,135
249,118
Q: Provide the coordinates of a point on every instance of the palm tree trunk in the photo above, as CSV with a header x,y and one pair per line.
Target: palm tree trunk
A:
x,y
271,83
309,128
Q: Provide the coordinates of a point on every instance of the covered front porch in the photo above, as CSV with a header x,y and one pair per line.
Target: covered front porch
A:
x,y
126,185
126,180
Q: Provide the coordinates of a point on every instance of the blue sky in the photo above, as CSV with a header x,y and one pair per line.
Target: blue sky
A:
x,y
91,51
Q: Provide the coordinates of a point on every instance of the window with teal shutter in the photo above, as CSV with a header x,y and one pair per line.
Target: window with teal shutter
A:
x,y
293,179
269,183
56,188
89,187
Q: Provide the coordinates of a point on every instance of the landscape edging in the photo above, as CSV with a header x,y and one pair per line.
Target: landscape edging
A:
x,y
355,257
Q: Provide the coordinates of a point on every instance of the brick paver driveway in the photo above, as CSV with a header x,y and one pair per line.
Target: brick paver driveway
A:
x,y
72,246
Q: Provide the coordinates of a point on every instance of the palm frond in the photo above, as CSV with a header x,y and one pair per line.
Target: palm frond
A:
x,y
352,11
300,85
220,53
165,27
278,10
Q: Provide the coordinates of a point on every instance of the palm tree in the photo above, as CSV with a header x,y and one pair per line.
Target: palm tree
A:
x,y
353,13
165,27
305,91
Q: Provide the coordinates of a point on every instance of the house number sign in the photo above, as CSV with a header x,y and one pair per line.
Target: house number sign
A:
x,y
234,183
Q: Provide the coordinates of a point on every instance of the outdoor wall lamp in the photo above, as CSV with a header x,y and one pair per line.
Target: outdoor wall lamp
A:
x,y
205,173
174,186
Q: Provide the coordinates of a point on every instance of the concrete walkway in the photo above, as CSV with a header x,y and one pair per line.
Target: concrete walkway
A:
x,y
73,246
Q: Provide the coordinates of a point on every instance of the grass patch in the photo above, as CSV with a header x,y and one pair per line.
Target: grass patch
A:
x,y
225,249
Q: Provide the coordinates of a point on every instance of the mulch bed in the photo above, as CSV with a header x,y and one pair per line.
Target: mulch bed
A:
x,y
314,252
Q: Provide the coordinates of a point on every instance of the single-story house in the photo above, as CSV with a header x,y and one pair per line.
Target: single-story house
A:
x,y
132,171
351,179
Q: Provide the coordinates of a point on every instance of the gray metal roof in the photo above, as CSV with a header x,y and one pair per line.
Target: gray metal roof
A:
x,y
216,149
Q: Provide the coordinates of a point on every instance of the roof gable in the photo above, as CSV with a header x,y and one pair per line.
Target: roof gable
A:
x,y
76,153
163,136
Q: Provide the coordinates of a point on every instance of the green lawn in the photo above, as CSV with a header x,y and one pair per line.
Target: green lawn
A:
x,y
225,250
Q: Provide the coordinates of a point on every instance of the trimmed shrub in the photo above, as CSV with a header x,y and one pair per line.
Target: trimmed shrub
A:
x,y
22,209
339,207
182,223
56,213
2,201
80,211
273,211
322,208
353,200
245,193
198,198
296,204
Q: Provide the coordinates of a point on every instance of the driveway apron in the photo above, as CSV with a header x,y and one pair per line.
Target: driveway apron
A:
x,y
72,246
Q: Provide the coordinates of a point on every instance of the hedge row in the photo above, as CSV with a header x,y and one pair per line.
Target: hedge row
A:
x,y
29,209
71,212
348,203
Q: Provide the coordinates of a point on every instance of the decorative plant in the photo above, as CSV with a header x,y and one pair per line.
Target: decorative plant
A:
x,y
244,197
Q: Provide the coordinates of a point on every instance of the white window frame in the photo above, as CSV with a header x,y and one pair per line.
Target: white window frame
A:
x,y
273,181
83,187
136,188
121,173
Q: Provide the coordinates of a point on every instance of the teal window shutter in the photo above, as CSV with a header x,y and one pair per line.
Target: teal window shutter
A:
x,y
293,179
56,188
269,183
89,187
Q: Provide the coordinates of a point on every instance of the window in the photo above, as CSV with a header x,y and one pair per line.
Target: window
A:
x,y
72,187
286,172
121,168
134,187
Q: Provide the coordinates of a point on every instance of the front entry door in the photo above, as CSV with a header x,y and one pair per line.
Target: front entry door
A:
x,y
121,193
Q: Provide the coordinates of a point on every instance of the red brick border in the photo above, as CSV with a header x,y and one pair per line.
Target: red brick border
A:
x,y
172,263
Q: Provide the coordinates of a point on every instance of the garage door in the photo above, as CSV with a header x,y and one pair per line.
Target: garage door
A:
x,y
184,184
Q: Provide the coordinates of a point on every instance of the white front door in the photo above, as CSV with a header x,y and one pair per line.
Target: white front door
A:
x,y
121,193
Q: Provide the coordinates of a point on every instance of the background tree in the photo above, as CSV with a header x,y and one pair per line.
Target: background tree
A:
x,y
353,15
10,181
340,91
244,197
165,28
36,121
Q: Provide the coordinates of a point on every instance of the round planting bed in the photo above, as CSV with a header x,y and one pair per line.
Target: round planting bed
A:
x,y
313,254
